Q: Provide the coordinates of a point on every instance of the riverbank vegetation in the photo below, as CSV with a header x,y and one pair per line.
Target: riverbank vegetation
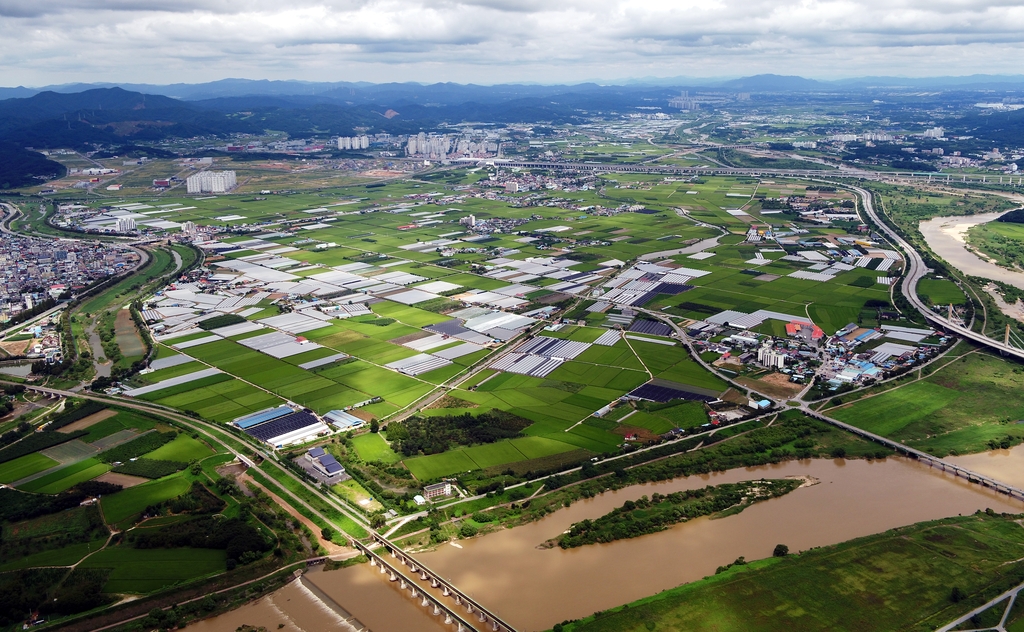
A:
x,y
790,436
650,515
903,579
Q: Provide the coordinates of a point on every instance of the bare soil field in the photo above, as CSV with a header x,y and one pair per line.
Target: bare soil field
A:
x,y
85,422
124,480
127,336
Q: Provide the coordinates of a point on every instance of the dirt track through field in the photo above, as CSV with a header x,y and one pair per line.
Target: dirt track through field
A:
x,y
331,547
85,422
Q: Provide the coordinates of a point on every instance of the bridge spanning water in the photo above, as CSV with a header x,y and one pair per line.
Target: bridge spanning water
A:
x,y
486,620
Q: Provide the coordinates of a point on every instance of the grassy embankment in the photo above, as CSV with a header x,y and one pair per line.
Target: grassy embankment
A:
x,y
902,579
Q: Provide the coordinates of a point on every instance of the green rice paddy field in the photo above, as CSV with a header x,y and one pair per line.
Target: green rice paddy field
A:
x,y
962,406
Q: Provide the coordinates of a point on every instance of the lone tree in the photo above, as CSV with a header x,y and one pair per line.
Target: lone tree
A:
x,y
781,550
957,594
374,425
327,533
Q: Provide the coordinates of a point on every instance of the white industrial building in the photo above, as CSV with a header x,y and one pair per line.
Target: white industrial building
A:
x,y
211,182
124,224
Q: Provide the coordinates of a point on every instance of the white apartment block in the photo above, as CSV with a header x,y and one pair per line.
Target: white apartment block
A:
x,y
211,182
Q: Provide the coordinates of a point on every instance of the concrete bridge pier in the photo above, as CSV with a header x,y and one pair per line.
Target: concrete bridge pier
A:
x,y
425,602
415,593
445,591
433,582
402,584
423,575
373,561
437,610
392,576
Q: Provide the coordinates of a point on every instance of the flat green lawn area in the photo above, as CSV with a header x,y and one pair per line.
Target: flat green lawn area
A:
x,y
373,447
437,465
145,570
56,482
941,292
898,580
962,406
497,453
24,466
129,502
887,413
55,557
183,448
674,363
122,420
537,447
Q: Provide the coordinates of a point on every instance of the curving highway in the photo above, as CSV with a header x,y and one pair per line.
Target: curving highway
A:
x,y
916,270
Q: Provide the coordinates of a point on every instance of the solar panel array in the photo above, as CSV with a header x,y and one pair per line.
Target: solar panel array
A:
x,y
652,327
663,394
281,426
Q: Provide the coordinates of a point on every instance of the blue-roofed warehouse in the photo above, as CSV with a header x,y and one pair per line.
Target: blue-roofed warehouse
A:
x,y
259,417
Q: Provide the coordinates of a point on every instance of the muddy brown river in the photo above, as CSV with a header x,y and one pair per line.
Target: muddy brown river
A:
x,y
535,588
947,236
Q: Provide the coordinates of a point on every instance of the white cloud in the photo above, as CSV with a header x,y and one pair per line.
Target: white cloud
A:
x,y
490,41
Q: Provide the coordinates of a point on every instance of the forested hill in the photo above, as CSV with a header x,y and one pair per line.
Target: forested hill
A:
x,y
20,167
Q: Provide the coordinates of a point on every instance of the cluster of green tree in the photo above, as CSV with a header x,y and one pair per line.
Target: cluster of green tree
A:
x,y
240,540
16,506
33,311
433,435
37,441
50,591
196,501
16,432
137,446
650,515
20,167
820,187
221,321
793,436
80,524
771,204
78,409
1013,217
150,468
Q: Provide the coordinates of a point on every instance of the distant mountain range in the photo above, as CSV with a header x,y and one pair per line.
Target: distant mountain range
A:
x,y
363,92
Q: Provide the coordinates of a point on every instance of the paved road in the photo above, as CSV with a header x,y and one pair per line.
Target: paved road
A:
x,y
916,270
1001,627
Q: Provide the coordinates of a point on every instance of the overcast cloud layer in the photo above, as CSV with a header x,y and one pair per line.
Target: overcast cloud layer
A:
x,y
498,41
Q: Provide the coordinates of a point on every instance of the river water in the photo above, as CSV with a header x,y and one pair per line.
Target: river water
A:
x,y
947,237
534,588
19,369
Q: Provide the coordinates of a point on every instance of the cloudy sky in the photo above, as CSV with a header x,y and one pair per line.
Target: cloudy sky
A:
x,y
495,41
